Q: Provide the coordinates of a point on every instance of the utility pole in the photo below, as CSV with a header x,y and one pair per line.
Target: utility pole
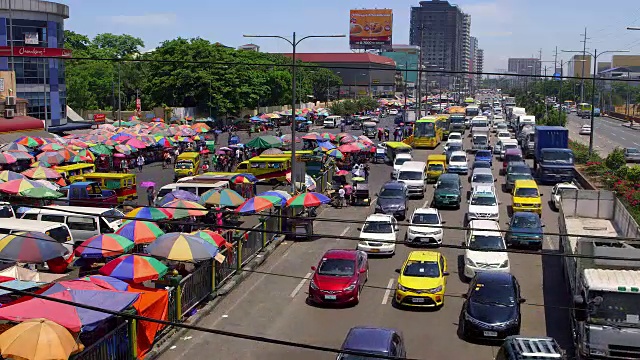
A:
x,y
584,60
119,98
555,61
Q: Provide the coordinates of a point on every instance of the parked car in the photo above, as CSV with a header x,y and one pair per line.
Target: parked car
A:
x,y
632,155
339,277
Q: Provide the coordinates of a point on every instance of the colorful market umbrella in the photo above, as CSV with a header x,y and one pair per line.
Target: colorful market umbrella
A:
x,y
348,148
286,138
30,247
74,318
134,268
264,142
182,247
313,136
107,282
144,213
179,209
278,193
8,175
258,204
164,142
224,197
200,127
136,143
41,193
7,158
16,186
210,236
103,246
335,153
328,136
29,141
342,173
37,339
243,179
41,173
179,195
21,155
308,199
15,147
140,232
51,147
52,157
100,150
326,145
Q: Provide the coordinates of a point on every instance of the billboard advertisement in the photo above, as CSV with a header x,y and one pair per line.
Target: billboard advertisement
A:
x,y
370,29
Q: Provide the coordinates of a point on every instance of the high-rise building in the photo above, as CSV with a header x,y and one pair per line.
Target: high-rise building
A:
x,y
466,47
472,61
438,28
525,66
580,66
479,65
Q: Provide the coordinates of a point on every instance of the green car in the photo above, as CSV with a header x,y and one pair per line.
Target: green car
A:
x,y
447,191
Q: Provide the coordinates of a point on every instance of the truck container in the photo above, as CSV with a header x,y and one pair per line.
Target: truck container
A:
x,y
602,272
513,114
510,101
456,123
553,160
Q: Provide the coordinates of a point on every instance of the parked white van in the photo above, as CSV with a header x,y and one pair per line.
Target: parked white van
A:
x,y
414,175
58,231
83,222
332,121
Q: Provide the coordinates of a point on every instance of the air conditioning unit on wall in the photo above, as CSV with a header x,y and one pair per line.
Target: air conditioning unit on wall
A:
x,y
11,101
9,113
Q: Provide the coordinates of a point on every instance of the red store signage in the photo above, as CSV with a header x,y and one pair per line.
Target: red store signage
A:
x,y
30,51
99,117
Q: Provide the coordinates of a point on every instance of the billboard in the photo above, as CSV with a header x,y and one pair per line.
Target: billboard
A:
x,y
370,29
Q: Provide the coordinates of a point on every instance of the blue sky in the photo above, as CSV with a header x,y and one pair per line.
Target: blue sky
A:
x,y
504,28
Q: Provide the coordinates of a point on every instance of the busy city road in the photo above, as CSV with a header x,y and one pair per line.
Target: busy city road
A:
x,y
272,302
608,133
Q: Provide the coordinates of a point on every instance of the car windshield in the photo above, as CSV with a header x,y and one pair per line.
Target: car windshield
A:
x,y
504,135
526,222
482,178
527,192
447,185
362,357
455,137
493,294
486,242
184,165
422,269
436,167
391,193
337,267
410,175
558,156
483,154
518,170
482,165
614,307
430,219
632,151
515,177
479,139
483,200
506,147
377,227
458,158
455,147
400,161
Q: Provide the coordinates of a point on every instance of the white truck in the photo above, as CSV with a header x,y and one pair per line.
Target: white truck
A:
x,y
605,283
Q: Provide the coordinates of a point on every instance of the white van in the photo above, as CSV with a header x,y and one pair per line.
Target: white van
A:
x,y
197,188
83,222
414,175
58,231
332,121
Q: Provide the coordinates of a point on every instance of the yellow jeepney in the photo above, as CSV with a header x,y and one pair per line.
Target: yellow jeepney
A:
x,y
436,166
187,164
394,148
267,168
75,172
123,184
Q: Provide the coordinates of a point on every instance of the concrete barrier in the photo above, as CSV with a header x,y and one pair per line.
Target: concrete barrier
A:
x,y
582,180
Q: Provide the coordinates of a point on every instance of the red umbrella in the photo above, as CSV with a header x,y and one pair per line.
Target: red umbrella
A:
x,y
348,148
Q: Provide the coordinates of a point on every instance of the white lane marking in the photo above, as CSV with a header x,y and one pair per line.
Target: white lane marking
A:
x,y
636,144
346,230
547,240
387,292
622,138
373,201
300,285
426,203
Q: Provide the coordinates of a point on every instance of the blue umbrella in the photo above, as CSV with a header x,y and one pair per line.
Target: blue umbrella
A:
x,y
300,118
277,193
327,145
255,118
179,194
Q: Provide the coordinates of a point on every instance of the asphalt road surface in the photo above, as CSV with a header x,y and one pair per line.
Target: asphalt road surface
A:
x,y
272,304
608,133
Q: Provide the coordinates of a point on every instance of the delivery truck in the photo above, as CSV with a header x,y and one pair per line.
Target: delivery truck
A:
x,y
553,161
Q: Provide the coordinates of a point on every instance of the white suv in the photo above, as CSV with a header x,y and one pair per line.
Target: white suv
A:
x,y
484,235
458,163
379,234
483,204
425,227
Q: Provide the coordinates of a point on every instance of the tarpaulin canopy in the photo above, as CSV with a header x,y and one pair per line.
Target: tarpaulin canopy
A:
x,y
20,273
73,318
19,285
264,142
152,303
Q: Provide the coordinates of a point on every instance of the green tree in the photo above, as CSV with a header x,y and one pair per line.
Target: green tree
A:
x,y
615,159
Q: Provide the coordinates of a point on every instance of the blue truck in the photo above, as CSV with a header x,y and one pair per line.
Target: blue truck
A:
x,y
553,160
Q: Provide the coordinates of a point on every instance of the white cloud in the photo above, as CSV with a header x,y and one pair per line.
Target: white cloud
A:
x,y
159,19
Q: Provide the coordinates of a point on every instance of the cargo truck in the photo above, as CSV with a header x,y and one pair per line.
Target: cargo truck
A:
x,y
553,161
602,273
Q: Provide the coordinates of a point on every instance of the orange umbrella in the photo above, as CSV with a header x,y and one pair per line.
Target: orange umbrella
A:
x,y
38,339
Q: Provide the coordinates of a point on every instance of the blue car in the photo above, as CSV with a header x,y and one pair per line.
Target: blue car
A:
x,y
484,155
374,341
525,229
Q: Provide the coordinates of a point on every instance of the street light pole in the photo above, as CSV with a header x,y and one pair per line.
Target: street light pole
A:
x,y
294,43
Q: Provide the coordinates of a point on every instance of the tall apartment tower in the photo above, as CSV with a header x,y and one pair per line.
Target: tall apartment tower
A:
x,y
438,28
473,61
466,47
479,66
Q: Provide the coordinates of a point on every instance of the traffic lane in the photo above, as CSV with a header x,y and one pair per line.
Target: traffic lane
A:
x,y
603,145
611,132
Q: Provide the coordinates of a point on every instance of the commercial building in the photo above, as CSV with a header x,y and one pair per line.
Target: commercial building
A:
x,y
524,66
362,73
438,28
625,60
603,65
580,66
33,31
407,58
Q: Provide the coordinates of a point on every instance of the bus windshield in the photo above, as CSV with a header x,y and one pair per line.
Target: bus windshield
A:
x,y
472,111
425,129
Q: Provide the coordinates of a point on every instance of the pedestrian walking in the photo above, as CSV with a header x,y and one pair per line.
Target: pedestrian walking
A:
x,y
150,195
140,162
124,164
366,171
342,126
341,195
176,153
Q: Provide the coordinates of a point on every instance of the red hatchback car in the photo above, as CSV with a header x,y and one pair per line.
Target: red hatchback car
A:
x,y
339,277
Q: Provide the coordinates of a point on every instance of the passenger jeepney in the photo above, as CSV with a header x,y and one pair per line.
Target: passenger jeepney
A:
x,y
394,148
436,166
75,172
369,129
124,185
270,169
187,164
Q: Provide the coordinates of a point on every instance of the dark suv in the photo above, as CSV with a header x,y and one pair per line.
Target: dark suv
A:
x,y
447,191
392,200
516,170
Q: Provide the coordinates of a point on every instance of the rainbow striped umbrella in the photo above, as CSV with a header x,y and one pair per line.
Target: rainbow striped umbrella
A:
x,y
42,173
335,153
243,179
140,232
29,141
308,199
210,236
225,197
15,147
7,158
146,213
30,247
328,136
179,209
258,204
182,247
8,175
51,157
134,268
51,147
104,245
164,142
19,185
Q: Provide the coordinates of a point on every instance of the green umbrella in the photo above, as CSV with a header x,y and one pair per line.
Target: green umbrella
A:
x,y
100,149
264,142
41,193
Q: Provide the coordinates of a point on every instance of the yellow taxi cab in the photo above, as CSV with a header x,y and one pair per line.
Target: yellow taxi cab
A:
x,y
422,280
436,166
75,172
187,164
526,197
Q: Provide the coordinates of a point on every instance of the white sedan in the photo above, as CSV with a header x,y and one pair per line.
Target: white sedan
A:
x,y
393,112
379,235
455,136
556,193
425,227
503,135
585,130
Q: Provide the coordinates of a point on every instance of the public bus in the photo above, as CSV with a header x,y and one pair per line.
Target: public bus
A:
x,y
426,132
443,126
584,110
